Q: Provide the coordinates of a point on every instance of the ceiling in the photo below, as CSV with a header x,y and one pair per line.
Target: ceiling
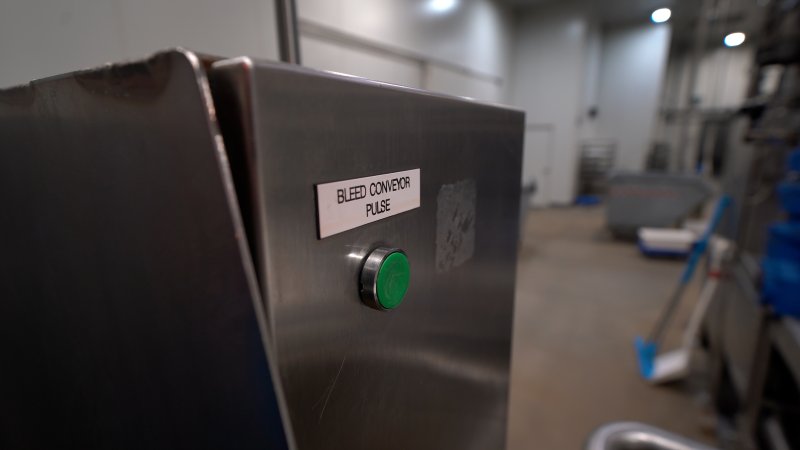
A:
x,y
726,15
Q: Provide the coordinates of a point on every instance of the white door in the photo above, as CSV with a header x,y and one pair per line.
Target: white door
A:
x,y
537,161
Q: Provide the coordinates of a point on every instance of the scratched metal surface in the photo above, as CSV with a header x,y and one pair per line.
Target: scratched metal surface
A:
x,y
129,311
433,373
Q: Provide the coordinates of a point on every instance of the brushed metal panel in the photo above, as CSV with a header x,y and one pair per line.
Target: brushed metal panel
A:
x,y
433,373
130,312
743,324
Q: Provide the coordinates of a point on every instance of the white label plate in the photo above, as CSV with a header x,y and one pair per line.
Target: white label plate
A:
x,y
344,205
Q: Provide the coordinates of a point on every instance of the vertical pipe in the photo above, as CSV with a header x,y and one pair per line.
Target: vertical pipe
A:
x,y
700,37
288,39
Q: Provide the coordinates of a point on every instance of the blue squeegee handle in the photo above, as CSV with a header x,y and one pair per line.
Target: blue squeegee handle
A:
x,y
702,244
698,251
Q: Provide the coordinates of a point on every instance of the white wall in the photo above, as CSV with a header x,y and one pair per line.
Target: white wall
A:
x,y
631,75
474,34
322,54
461,52
565,63
40,38
548,78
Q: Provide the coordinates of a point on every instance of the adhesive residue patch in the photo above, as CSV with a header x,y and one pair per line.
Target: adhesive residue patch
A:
x,y
455,224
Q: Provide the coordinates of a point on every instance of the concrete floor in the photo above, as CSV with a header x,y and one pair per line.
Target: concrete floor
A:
x,y
582,298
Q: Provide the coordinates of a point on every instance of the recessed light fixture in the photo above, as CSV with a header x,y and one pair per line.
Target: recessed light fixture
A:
x,y
734,39
661,15
440,6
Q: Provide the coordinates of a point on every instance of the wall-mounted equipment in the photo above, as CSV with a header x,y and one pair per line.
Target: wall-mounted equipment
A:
x,y
225,253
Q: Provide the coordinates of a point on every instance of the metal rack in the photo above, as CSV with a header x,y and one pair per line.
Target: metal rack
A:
x,y
596,161
754,354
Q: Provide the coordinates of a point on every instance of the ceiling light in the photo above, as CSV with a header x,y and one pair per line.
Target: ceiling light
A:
x,y
440,6
734,39
661,15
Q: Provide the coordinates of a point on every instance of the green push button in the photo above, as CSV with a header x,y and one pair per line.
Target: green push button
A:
x,y
384,278
393,277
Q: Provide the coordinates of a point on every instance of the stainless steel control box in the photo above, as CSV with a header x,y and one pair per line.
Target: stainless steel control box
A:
x,y
169,277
